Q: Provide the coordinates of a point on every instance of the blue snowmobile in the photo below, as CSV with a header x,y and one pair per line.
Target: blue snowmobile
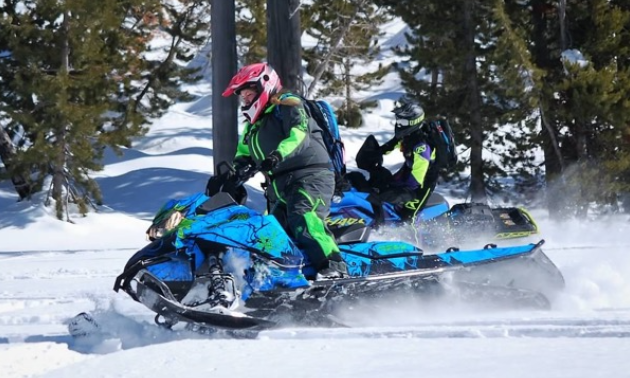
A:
x,y
437,225
214,262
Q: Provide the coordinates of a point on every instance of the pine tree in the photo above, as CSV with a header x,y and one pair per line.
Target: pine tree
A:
x,y
518,91
347,35
456,65
582,103
251,30
79,80
7,133
594,104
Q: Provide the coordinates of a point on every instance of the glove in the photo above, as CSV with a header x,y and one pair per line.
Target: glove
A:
x,y
389,146
271,161
221,183
214,185
242,162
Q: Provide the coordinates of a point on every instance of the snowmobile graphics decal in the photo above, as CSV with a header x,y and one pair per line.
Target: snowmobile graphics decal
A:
x,y
339,221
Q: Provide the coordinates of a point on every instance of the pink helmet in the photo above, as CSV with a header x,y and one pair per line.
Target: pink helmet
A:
x,y
260,77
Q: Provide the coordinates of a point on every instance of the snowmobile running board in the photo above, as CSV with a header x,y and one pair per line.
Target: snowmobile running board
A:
x,y
173,312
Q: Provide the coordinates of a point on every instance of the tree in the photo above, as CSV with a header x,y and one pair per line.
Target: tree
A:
x,y
594,105
284,43
582,49
454,66
347,36
251,30
224,117
79,80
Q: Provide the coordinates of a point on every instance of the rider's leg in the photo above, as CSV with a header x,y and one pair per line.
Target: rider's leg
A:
x,y
308,204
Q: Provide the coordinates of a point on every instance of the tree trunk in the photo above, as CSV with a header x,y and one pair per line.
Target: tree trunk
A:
x,y
477,182
556,191
562,12
59,160
348,85
7,153
284,43
224,109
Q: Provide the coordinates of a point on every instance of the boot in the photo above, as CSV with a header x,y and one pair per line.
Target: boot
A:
x,y
213,289
332,269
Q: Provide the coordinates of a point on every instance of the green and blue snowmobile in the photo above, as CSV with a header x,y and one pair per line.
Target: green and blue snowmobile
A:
x,y
216,263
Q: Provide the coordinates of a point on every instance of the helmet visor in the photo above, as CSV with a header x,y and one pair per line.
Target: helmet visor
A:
x,y
408,122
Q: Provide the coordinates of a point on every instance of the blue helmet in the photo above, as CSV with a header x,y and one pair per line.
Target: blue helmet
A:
x,y
409,118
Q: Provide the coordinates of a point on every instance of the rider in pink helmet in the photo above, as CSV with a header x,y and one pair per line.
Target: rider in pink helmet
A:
x,y
281,140
259,77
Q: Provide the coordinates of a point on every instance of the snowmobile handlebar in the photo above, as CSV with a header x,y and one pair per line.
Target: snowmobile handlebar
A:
x,y
228,178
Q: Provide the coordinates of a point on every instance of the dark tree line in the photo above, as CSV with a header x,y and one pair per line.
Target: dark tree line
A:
x,y
555,72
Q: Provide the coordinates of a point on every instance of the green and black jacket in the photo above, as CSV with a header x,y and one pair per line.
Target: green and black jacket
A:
x,y
285,127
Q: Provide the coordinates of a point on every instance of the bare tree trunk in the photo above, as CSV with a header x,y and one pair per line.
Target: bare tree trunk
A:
x,y
554,164
284,42
224,109
59,161
477,182
7,153
348,85
562,12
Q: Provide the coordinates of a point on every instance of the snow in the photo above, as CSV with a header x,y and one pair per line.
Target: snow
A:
x,y
52,270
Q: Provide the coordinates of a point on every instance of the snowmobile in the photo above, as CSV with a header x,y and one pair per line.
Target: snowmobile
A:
x,y
206,249
437,224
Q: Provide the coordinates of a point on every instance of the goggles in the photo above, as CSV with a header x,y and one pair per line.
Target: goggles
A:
x,y
407,122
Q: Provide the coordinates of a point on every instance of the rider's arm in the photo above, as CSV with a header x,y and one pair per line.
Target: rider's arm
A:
x,y
242,149
295,123
423,155
389,146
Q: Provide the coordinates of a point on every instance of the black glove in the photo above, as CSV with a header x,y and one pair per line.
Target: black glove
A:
x,y
389,145
271,161
214,185
380,178
242,162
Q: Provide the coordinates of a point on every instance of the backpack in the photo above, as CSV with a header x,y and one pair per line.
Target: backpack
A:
x,y
440,136
325,117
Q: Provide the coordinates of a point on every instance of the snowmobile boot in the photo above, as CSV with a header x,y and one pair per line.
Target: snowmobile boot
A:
x,y
222,291
332,269
212,289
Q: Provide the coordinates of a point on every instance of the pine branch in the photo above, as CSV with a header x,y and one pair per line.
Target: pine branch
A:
x,y
335,46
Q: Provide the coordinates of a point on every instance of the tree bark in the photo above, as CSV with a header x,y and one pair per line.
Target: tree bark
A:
x,y
59,160
477,181
554,164
284,42
224,109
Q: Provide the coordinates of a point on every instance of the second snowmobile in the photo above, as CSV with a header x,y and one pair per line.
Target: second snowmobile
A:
x,y
437,225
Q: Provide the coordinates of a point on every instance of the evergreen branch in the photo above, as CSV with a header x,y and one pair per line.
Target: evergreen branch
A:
x,y
335,46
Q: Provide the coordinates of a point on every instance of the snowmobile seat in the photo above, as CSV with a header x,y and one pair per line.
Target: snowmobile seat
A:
x,y
435,199
355,233
215,202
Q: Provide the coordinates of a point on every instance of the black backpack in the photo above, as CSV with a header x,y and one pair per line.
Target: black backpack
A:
x,y
440,137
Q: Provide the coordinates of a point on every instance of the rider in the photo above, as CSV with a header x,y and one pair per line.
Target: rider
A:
x,y
410,187
278,140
